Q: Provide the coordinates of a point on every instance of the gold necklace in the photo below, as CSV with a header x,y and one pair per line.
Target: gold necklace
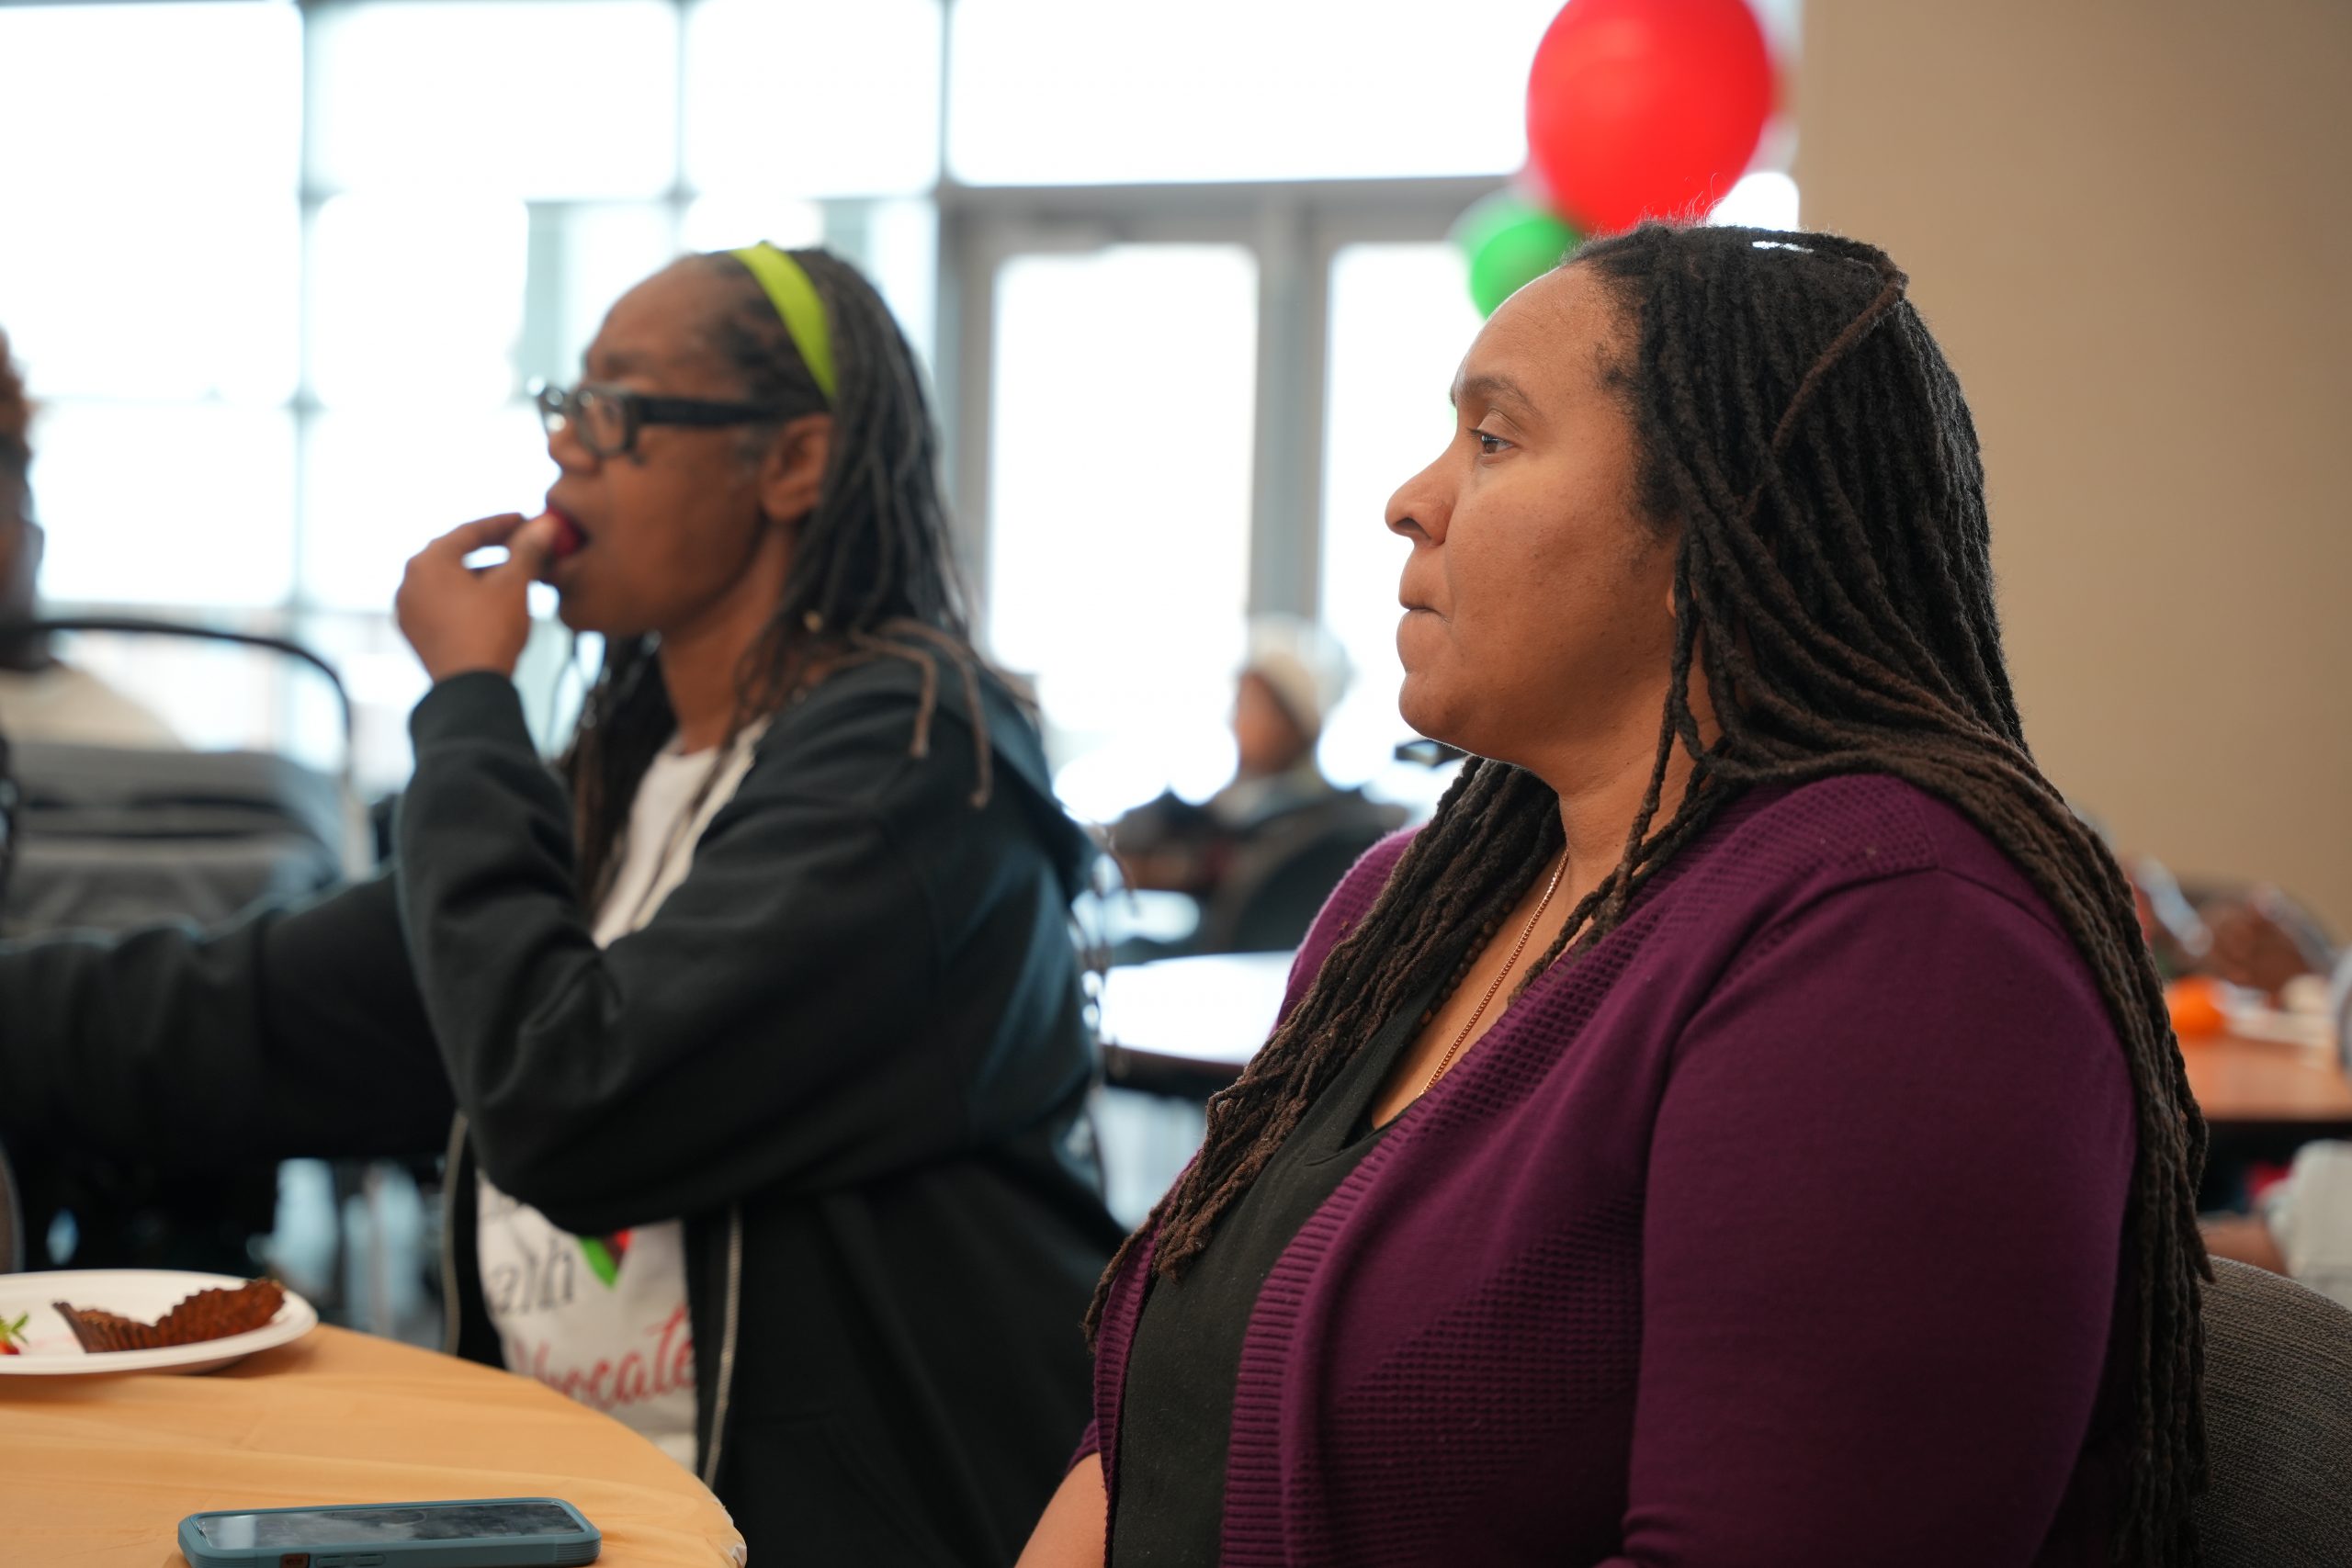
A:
x,y
1500,975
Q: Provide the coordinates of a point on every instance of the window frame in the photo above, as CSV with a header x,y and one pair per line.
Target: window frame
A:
x,y
1294,228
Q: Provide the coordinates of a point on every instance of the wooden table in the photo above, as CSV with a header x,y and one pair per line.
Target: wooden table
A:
x,y
2265,1085
97,1473
1187,1026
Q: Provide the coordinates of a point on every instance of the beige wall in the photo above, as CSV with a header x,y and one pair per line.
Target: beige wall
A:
x,y
2130,225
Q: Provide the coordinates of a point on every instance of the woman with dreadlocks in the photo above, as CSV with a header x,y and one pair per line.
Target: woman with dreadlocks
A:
x,y
759,1017
1741,1128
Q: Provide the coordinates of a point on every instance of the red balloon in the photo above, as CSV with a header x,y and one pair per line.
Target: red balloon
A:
x,y
1646,108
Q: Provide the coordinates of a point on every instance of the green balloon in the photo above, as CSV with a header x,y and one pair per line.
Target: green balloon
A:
x,y
1511,243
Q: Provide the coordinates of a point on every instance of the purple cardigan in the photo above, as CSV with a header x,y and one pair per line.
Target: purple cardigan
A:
x,y
1782,1228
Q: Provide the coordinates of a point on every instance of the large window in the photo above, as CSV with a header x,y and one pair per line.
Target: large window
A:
x,y
281,275
1122,445
1085,92
281,272
1401,319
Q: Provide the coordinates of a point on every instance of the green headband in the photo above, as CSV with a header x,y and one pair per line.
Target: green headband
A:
x,y
796,301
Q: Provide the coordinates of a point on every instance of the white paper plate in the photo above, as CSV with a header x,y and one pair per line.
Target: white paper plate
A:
x,y
50,1350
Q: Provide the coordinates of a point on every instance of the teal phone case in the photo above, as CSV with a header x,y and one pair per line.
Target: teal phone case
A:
x,y
559,1548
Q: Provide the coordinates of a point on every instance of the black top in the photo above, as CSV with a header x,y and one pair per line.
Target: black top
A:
x,y
855,1031
1186,1355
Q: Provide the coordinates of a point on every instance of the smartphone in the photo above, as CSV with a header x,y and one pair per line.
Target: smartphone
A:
x,y
480,1532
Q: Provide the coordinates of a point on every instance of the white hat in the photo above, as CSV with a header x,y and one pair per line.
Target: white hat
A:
x,y
1307,669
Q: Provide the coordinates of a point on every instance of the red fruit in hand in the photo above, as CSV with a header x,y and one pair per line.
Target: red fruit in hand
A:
x,y
567,536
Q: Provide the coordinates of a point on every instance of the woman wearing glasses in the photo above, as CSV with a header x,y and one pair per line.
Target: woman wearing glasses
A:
x,y
757,1015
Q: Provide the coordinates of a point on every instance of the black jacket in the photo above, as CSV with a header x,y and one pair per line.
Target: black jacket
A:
x,y
847,1051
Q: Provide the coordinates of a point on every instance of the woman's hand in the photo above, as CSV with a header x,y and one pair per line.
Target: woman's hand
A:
x,y
459,618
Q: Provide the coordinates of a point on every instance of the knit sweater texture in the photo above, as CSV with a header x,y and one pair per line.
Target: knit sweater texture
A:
x,y
1782,1227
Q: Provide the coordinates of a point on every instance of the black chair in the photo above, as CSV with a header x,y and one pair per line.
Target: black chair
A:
x,y
2277,1424
107,839
1285,869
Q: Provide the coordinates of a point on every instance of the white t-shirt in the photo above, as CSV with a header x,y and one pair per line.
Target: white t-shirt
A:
x,y
602,1319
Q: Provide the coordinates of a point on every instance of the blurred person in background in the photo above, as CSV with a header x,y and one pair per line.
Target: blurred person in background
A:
x,y
2256,938
1294,677
42,697
1743,1126
753,1028
2300,1225
2265,941
1260,856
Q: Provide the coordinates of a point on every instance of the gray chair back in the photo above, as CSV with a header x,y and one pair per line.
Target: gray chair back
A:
x,y
2277,1424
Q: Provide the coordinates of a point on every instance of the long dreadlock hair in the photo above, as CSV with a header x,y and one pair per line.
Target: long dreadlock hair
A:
x,y
872,572
1833,586
16,651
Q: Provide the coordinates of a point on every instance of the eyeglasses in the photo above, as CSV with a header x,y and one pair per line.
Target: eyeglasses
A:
x,y
605,420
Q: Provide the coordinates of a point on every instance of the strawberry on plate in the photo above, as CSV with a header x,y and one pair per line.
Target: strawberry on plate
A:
x,y
12,1337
